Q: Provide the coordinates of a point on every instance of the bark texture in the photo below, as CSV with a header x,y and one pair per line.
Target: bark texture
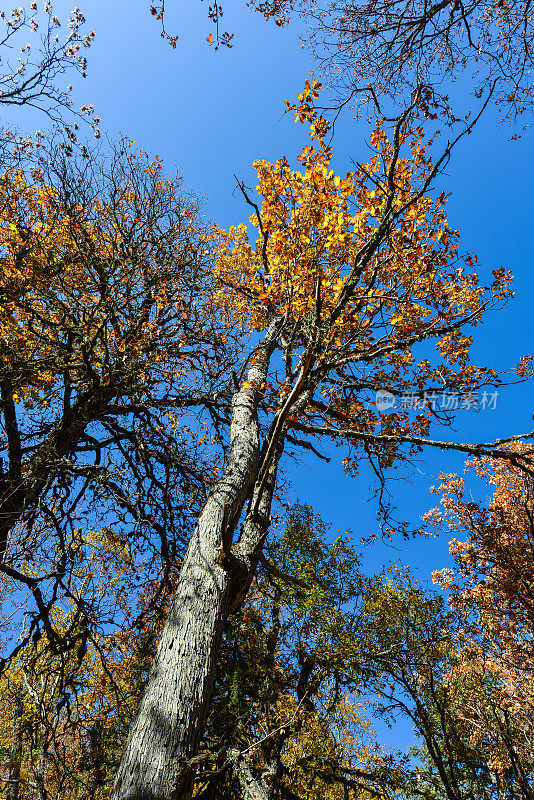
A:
x,y
15,756
250,787
40,765
215,575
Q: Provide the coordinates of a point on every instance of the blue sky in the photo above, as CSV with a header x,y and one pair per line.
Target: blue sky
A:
x,y
210,114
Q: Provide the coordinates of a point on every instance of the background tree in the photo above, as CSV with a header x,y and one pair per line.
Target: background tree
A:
x,y
107,333
491,587
36,51
493,578
65,714
280,723
390,48
425,664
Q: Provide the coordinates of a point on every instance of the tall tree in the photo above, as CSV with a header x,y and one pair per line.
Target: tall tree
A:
x,y
419,659
107,332
347,277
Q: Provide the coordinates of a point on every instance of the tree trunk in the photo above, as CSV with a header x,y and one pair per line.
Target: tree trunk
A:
x,y
165,731
15,756
169,722
250,788
39,771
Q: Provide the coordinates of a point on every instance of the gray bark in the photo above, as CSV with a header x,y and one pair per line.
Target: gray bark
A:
x,y
250,787
39,771
15,756
215,576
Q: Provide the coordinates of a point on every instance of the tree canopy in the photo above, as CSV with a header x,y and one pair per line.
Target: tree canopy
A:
x,y
172,626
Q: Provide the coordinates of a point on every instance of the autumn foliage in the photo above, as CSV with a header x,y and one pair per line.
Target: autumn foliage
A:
x,y
155,370
358,270
102,265
493,575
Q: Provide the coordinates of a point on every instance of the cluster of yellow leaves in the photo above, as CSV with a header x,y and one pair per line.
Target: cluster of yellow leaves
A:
x,y
78,279
26,248
313,227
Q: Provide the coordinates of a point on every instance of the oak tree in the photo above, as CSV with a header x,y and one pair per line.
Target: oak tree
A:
x,y
346,279
107,333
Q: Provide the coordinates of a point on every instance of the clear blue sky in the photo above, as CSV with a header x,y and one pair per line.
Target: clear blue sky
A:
x,y
210,114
